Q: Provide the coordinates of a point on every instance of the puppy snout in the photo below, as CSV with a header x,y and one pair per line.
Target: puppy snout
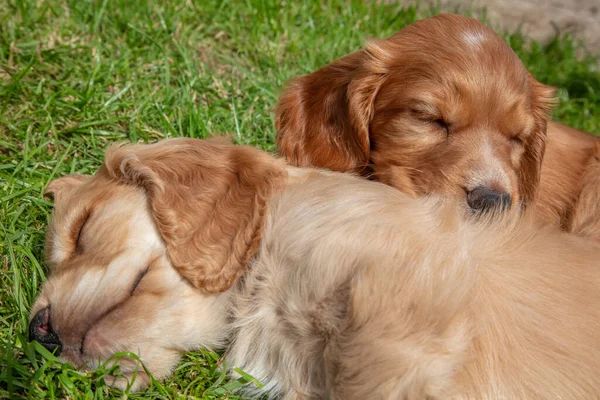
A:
x,y
40,329
482,199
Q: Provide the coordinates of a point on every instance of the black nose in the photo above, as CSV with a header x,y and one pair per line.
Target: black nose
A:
x,y
484,199
40,329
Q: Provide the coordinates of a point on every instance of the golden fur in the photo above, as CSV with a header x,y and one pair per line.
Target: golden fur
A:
x,y
442,107
569,191
319,284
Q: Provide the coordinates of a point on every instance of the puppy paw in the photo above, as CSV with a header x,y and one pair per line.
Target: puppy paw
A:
x,y
131,381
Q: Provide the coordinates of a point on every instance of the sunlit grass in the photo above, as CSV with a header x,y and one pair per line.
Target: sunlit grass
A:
x,y
77,75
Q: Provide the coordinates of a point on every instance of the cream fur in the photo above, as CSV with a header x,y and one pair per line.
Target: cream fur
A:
x,y
356,291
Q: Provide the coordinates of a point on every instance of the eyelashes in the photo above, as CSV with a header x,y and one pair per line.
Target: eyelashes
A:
x,y
432,118
77,232
516,140
438,124
441,124
138,279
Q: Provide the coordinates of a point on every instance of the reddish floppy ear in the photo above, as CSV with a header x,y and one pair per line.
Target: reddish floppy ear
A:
x,y
586,213
59,188
323,118
535,146
208,200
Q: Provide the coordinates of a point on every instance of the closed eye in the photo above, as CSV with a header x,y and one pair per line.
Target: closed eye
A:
x,y
441,123
516,140
138,279
77,232
430,115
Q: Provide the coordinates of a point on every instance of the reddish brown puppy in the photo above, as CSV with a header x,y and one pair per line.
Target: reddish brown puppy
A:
x,y
442,107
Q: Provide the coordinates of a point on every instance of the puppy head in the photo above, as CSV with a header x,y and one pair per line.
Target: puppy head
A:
x,y
139,252
442,107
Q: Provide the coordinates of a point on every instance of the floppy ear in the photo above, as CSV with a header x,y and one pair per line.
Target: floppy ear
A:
x,y
208,201
587,208
322,119
60,188
535,147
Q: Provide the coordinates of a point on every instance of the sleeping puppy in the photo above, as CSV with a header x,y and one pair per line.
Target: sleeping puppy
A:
x,y
442,107
319,284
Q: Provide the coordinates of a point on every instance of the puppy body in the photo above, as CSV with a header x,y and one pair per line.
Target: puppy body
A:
x,y
478,313
569,184
353,291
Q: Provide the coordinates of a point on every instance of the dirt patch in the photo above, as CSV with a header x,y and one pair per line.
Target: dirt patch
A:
x,y
541,20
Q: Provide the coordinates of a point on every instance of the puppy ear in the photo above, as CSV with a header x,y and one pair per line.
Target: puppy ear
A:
x,y
323,118
59,188
535,146
587,208
208,201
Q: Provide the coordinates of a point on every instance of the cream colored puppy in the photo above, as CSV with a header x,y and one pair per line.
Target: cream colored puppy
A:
x,y
321,285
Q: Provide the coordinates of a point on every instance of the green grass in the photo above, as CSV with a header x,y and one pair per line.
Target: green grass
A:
x,y
76,75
